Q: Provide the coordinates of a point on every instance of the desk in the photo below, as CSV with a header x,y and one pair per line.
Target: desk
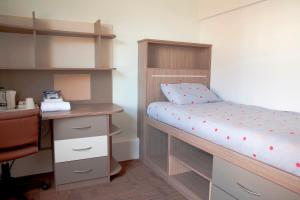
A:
x,y
83,145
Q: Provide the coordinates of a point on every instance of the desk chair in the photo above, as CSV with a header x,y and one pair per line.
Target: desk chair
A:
x,y
19,131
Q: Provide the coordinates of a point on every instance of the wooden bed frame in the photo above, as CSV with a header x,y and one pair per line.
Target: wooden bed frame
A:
x,y
172,62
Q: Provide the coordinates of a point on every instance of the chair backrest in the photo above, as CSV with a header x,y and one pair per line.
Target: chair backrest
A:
x,y
19,128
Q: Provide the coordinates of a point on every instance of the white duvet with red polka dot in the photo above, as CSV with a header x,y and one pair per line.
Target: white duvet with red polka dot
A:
x,y
269,136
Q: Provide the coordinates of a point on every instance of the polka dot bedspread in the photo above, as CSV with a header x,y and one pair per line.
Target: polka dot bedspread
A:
x,y
269,136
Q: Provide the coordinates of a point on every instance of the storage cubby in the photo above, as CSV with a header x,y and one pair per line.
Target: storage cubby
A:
x,y
193,158
157,148
176,56
16,50
192,185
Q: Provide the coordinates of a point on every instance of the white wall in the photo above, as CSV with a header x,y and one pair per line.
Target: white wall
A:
x,y
208,8
256,54
132,20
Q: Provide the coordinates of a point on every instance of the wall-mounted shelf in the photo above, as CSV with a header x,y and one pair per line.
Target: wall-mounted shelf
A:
x,y
8,28
57,69
108,36
77,39
15,29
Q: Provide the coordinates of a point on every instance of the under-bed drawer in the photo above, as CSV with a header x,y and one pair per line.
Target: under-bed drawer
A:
x,y
80,170
80,148
218,194
79,127
245,185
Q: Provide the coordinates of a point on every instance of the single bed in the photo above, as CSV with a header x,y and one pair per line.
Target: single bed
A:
x,y
199,147
272,137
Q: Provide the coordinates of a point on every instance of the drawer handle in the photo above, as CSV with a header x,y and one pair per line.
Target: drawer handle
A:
x,y
247,190
82,171
83,149
82,127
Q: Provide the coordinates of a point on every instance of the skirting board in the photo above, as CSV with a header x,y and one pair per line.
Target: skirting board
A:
x,y
42,161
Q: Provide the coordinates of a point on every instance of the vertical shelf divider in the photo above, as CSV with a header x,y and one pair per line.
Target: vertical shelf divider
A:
x,y
97,29
34,40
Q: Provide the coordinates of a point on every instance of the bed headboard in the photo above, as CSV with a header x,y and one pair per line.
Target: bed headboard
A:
x,y
163,61
157,76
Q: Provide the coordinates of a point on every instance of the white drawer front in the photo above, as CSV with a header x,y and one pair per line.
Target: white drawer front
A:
x,y
245,185
80,148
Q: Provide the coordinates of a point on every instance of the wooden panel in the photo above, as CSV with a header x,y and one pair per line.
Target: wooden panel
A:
x,y
157,148
105,55
155,77
13,24
97,29
80,148
173,43
65,28
16,50
275,175
73,86
178,57
65,52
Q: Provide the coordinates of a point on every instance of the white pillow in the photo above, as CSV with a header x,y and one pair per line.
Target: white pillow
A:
x,y
188,93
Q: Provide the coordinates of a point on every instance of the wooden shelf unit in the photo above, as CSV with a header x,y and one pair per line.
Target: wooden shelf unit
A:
x,y
45,27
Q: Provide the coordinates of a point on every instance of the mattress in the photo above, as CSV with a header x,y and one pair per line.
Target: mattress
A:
x,y
272,137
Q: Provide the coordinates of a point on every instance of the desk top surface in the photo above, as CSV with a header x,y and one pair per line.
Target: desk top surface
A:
x,y
78,110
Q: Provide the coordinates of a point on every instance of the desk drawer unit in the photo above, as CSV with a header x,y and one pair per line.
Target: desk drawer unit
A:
x,y
247,186
79,127
80,148
80,170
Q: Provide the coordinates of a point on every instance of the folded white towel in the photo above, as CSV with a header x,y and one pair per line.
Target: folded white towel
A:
x,y
53,100
55,106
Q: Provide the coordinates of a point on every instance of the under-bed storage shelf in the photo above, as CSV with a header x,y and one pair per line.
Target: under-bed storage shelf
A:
x,y
190,169
196,160
191,184
157,149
